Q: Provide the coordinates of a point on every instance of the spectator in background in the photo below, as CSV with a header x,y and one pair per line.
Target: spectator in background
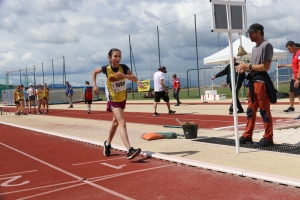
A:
x,y
17,99
160,90
293,48
176,89
87,95
46,98
239,78
69,94
31,97
26,96
39,95
21,98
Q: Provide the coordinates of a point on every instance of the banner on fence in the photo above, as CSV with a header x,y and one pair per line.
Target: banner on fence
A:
x,y
144,86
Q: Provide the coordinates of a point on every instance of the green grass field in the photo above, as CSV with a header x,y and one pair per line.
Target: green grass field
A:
x,y
193,92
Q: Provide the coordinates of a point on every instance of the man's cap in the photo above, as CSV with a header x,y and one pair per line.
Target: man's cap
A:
x,y
30,83
163,69
67,82
255,27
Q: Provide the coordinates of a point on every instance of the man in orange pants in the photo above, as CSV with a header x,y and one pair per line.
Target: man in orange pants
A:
x,y
261,89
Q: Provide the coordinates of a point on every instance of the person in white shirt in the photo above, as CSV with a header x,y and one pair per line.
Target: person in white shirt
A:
x,y
31,97
160,90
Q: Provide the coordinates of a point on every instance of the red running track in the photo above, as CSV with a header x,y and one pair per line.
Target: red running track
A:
x,y
204,121
38,166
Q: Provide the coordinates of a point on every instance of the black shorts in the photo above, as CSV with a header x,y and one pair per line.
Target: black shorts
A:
x,y
292,85
32,97
45,98
295,90
88,101
161,95
17,102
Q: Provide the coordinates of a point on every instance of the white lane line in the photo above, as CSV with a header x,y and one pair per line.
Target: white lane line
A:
x,y
96,161
56,190
95,179
68,173
124,173
41,187
19,173
226,127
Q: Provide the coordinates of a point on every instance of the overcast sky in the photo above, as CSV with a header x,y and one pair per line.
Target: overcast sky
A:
x,y
84,31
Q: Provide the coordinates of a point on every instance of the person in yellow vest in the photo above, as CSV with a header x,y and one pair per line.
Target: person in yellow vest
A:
x,y
46,99
21,97
116,74
16,99
39,93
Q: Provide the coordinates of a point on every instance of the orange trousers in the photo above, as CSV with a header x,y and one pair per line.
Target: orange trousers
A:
x,y
261,101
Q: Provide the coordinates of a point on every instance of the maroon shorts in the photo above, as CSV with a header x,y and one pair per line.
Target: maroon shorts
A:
x,y
111,105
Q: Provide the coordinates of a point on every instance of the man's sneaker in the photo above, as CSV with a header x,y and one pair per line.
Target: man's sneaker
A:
x,y
244,140
45,112
132,153
106,149
230,112
39,113
156,114
297,117
89,112
290,109
171,112
71,106
176,105
29,112
263,143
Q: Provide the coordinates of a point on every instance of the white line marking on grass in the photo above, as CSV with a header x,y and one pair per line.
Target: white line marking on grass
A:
x,y
19,173
68,173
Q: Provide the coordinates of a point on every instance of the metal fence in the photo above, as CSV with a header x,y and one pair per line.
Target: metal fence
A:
x,y
51,72
182,45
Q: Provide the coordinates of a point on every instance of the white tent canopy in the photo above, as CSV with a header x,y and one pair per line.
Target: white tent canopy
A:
x,y
223,56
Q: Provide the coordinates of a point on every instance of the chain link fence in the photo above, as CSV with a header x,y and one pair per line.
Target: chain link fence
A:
x,y
182,45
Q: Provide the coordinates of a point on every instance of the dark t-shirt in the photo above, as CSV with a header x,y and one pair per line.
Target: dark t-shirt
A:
x,y
125,69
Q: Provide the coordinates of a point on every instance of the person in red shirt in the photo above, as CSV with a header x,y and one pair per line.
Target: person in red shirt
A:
x,y
176,89
292,47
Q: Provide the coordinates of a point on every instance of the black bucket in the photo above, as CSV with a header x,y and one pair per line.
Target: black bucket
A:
x,y
190,130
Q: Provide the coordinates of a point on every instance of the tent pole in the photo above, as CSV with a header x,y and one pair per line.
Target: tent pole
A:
x,y
277,76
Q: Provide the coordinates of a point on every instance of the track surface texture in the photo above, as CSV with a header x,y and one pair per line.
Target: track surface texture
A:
x,y
39,166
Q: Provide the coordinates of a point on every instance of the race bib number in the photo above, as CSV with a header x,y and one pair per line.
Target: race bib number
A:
x,y
119,86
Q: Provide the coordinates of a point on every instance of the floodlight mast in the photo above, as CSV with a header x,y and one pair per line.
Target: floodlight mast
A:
x,y
223,23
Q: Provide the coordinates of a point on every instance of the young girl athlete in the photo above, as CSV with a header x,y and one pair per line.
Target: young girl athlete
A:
x,y
116,74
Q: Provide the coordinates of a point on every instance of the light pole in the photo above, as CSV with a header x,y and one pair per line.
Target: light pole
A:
x,y
26,80
33,78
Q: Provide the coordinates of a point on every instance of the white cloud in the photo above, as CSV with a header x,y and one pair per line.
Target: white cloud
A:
x,y
83,31
81,59
26,57
52,34
262,2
